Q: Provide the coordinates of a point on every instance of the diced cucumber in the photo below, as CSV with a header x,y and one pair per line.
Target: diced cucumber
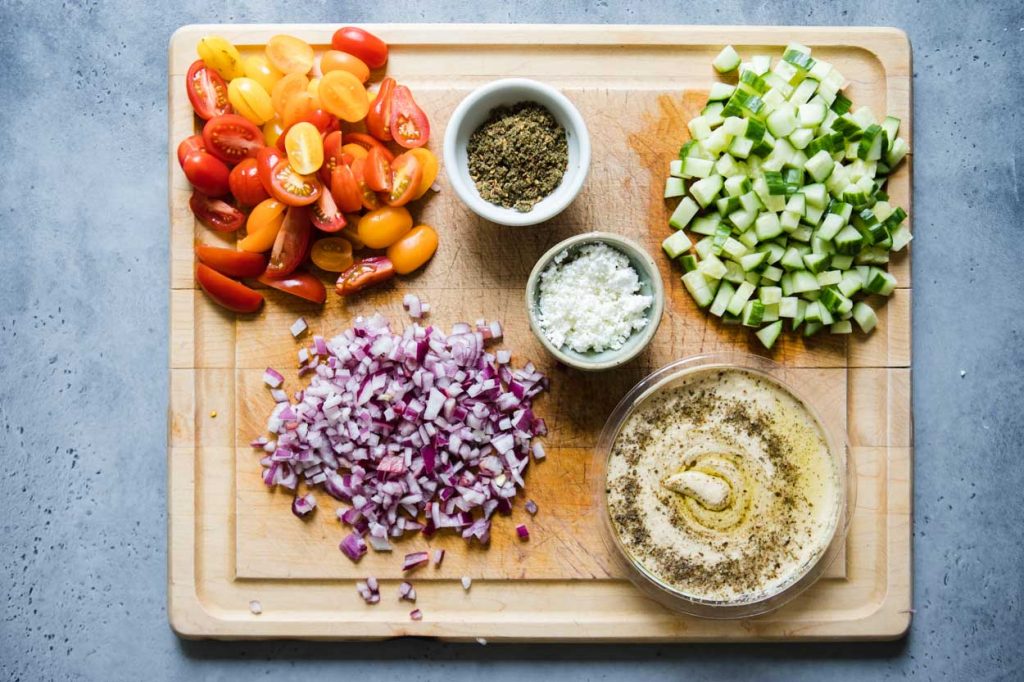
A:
x,y
737,185
674,187
841,327
698,287
683,214
742,219
788,306
712,267
727,60
789,221
769,334
694,167
829,277
740,298
676,244
734,249
896,154
880,282
769,295
734,273
816,262
751,202
811,115
820,166
722,298
752,261
688,262
749,238
720,91
865,316
705,191
782,121
705,224
753,311
849,240
804,281
771,274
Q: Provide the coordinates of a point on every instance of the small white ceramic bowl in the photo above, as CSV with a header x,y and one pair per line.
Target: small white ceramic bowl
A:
x,y
471,114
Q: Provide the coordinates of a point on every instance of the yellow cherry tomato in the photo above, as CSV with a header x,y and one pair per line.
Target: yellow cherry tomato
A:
x,y
286,88
221,56
343,95
262,71
298,107
333,254
314,89
262,226
383,227
356,151
430,167
304,147
272,130
413,250
333,60
250,100
289,54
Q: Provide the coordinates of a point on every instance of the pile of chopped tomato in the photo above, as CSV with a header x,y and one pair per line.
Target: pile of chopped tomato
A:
x,y
282,155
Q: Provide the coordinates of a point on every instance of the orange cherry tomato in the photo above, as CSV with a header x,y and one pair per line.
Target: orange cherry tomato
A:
x,y
226,291
207,91
305,148
406,173
231,138
333,60
367,196
262,226
272,131
285,89
333,254
409,125
259,68
414,249
288,54
345,189
354,150
383,227
377,171
301,105
343,95
363,44
333,156
301,284
230,262
291,243
365,273
366,142
215,214
351,233
378,120
245,184
429,166
325,213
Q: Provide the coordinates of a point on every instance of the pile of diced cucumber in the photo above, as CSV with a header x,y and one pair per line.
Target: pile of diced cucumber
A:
x,y
783,187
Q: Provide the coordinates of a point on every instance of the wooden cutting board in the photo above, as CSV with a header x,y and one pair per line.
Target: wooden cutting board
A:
x,y
233,541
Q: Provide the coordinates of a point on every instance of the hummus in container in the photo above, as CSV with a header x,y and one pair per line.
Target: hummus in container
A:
x,y
722,488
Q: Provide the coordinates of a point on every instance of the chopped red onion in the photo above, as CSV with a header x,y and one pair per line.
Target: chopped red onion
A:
x,y
413,306
415,560
466,582
416,430
416,614
523,532
538,451
255,607
407,592
369,590
303,504
438,556
298,326
531,507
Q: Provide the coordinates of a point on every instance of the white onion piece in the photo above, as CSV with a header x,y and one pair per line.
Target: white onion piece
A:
x,y
298,326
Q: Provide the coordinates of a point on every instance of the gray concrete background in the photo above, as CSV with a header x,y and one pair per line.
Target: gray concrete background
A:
x,y
83,333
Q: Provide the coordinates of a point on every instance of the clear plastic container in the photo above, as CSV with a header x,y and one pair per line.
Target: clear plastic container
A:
x,y
755,603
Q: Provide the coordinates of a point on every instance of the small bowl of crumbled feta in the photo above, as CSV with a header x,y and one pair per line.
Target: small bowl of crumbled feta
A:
x,y
595,300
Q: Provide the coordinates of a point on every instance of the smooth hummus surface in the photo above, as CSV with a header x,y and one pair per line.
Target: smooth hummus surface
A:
x,y
722,486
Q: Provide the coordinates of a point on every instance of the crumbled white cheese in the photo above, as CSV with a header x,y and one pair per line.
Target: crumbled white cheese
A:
x,y
591,301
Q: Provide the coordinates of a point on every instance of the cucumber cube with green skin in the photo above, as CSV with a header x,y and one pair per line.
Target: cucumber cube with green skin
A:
x,y
734,273
742,220
820,166
749,238
740,298
830,226
706,224
769,295
737,185
803,281
712,267
753,311
727,60
789,221
812,328
829,278
677,244
801,138
797,203
771,274
769,334
705,191
683,214
751,202
841,262
752,261
788,306
698,287
849,240
767,226
693,167
674,187
880,282
792,260
720,91
727,205
816,262
734,249
841,327
704,247
722,298
864,316
688,262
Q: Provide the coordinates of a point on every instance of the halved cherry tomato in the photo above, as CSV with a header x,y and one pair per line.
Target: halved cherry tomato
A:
x,y
301,105
333,254
377,171
227,292
368,143
314,89
190,145
381,228
220,55
250,100
289,54
406,173
354,150
332,156
291,243
305,148
206,91
262,226
259,68
367,196
345,189
207,173
343,95
231,138
230,262
215,214
409,125
363,44
365,273
286,88
245,184
301,284
291,187
272,131
430,168
333,60
378,120
325,214
351,233
266,160
324,122
414,249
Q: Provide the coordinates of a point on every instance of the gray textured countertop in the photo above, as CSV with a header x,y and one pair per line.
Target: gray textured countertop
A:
x,y
83,334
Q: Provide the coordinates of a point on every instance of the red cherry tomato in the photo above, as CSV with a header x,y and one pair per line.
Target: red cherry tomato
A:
x,y
324,122
368,143
301,284
409,125
359,43
377,171
293,188
291,244
231,137
206,91
367,196
325,214
378,121
215,214
230,262
406,173
365,273
227,292
207,174
333,155
190,145
245,184
345,189
266,159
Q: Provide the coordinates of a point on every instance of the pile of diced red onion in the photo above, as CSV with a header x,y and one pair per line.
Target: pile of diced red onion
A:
x,y
416,431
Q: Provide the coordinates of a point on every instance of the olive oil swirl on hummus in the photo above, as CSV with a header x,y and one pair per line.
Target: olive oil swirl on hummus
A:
x,y
722,487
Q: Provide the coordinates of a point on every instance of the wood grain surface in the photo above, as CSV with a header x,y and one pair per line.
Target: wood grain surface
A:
x,y
232,540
